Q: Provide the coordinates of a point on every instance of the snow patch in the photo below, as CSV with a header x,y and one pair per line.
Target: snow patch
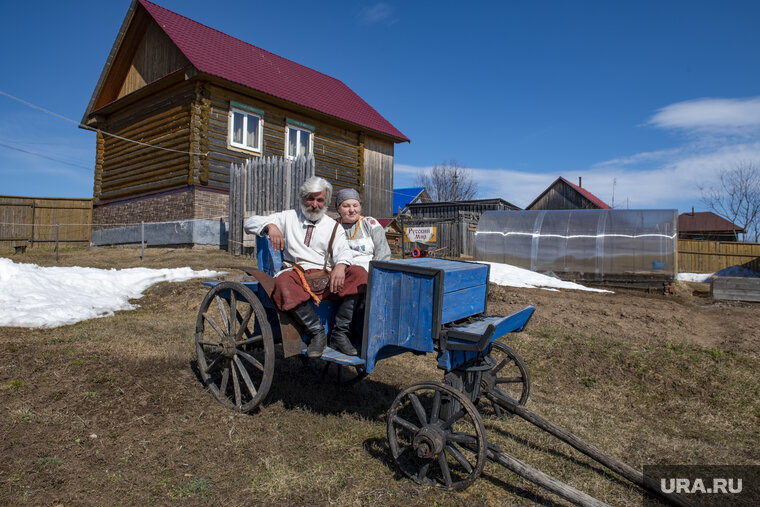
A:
x,y
44,297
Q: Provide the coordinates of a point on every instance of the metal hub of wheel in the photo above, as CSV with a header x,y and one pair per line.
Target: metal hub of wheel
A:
x,y
433,445
429,442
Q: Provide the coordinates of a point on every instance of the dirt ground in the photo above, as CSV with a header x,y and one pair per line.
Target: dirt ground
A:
x,y
111,411
687,316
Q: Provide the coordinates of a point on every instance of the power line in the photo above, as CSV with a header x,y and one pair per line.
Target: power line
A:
x,y
93,129
43,156
87,127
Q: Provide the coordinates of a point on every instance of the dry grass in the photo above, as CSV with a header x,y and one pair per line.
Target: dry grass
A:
x,y
110,411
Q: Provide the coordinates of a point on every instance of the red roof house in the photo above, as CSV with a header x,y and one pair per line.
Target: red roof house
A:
x,y
210,100
707,225
565,195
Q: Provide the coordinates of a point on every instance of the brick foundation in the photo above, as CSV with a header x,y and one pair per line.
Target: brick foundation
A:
x,y
180,204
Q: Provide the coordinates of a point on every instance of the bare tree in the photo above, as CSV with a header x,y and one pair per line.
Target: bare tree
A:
x,y
448,182
736,197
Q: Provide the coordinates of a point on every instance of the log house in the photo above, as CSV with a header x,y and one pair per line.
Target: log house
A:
x,y
172,112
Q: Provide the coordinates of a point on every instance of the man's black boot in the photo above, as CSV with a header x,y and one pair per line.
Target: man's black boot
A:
x,y
339,336
307,317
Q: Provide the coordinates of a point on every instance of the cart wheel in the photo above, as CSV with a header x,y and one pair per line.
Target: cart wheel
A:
x,y
328,371
448,453
234,345
508,376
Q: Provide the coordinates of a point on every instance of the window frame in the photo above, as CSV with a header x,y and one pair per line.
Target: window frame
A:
x,y
301,128
246,112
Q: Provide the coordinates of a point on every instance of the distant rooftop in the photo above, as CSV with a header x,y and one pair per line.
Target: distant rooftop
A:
x,y
705,221
403,196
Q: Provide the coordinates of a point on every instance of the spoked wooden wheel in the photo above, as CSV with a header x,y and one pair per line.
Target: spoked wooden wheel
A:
x,y
449,453
508,377
329,371
235,347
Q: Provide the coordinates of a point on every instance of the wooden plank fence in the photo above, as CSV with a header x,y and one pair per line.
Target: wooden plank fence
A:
x,y
37,222
263,186
696,256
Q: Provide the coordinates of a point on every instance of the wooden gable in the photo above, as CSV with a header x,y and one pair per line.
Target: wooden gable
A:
x,y
155,56
564,195
141,54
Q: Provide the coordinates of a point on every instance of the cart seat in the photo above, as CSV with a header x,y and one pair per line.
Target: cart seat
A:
x,y
469,340
477,333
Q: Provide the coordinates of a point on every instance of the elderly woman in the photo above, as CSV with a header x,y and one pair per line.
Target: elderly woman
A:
x,y
365,235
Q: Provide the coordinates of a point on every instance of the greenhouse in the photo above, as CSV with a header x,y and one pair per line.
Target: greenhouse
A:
x,y
603,245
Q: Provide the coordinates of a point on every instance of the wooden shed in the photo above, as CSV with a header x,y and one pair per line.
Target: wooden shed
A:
x,y
178,102
451,210
565,195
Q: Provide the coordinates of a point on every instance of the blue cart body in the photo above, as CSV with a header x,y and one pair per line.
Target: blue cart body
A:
x,y
421,305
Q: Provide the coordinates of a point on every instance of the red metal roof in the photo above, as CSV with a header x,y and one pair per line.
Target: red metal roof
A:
x,y
218,54
705,221
588,195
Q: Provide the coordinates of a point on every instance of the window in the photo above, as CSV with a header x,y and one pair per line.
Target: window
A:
x,y
246,128
300,141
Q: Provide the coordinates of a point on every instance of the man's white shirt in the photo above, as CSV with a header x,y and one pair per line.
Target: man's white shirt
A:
x,y
293,225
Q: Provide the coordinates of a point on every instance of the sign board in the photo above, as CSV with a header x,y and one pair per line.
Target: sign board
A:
x,y
420,234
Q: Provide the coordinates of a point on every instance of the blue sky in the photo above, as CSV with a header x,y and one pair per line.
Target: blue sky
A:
x,y
648,99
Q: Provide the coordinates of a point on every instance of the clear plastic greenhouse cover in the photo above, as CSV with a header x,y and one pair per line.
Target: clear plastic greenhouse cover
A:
x,y
583,244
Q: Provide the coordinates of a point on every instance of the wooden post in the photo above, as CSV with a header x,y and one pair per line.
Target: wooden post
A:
x,y
56,243
142,241
589,450
401,223
31,236
526,471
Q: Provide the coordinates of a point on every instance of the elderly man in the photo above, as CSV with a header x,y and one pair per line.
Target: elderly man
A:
x,y
304,236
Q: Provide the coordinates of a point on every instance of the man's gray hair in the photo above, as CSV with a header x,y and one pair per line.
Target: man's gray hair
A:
x,y
314,185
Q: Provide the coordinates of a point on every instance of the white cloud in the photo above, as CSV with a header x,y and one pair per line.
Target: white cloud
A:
x,y
710,114
724,133
663,179
378,13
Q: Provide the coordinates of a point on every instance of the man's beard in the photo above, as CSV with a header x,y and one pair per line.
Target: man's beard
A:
x,y
312,215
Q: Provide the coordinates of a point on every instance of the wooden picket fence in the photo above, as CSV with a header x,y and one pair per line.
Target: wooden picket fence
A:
x,y
697,256
40,222
263,186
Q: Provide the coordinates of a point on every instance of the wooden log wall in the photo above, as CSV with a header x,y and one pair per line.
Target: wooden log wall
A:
x,y
336,150
130,168
695,256
31,222
192,120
